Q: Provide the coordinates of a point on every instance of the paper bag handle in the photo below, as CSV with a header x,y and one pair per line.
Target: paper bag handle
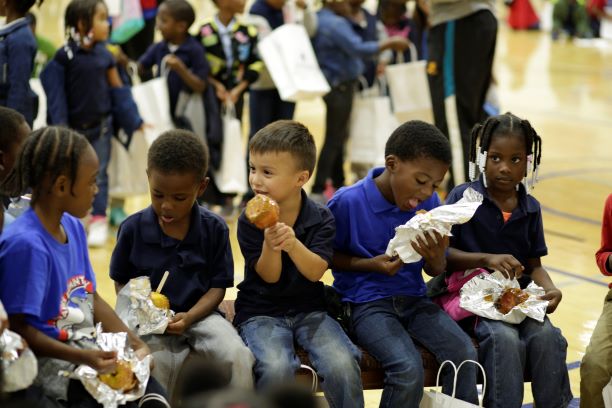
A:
x,y
456,370
414,55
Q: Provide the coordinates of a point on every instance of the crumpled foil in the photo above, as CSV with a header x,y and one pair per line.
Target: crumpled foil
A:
x,y
19,205
18,362
105,395
478,296
136,309
440,219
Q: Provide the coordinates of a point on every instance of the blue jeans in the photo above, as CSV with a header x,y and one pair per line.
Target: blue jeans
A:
x,y
386,329
100,139
506,350
333,356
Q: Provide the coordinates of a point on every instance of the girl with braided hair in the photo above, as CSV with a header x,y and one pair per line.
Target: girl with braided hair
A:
x,y
506,234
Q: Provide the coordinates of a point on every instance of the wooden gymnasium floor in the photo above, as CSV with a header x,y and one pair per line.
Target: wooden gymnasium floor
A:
x,y
565,90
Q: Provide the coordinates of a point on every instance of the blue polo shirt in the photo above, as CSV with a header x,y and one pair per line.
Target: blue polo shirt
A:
x,y
293,293
190,52
365,223
522,236
202,260
339,48
88,91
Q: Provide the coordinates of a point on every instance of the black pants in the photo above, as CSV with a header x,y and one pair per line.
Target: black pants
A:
x,y
461,56
339,103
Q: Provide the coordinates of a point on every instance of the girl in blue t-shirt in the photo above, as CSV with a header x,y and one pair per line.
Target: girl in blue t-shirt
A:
x,y
85,92
47,284
506,234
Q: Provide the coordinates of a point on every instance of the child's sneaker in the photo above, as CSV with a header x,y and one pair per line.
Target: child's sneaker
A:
x,y
117,216
98,231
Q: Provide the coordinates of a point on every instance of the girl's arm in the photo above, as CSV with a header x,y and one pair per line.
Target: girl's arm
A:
x,y
204,307
508,265
541,278
112,75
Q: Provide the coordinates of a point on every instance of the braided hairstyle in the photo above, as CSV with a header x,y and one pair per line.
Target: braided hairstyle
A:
x,y
481,137
79,11
46,154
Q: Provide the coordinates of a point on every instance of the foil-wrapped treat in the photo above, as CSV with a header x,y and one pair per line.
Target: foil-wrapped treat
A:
x,y
137,310
18,362
497,298
440,219
122,386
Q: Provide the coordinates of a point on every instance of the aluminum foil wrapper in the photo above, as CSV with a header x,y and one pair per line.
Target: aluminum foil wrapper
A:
x,y
19,205
479,294
18,362
105,395
440,219
136,309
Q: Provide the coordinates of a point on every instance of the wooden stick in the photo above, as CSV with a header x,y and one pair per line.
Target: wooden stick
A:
x,y
162,282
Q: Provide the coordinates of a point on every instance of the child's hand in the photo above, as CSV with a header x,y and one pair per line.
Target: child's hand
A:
x,y
553,296
387,265
280,237
508,265
174,63
101,361
432,249
234,95
179,323
220,91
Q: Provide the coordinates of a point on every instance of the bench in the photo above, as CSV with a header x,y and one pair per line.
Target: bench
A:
x,y
372,374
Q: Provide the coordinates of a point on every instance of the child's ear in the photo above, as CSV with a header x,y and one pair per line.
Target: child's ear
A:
x,y
303,177
61,186
391,163
203,185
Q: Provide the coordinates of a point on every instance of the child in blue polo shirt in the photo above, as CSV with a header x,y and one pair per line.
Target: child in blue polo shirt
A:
x,y
281,298
506,234
182,54
175,234
17,51
84,92
387,298
47,284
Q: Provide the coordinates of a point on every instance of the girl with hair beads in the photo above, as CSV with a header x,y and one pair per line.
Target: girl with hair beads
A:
x,y
506,234
85,93
47,284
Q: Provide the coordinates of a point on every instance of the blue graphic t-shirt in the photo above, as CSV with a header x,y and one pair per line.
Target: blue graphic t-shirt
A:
x,y
51,283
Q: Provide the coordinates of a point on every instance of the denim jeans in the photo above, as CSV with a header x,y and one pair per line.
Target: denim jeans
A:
x,y
100,139
506,350
334,357
386,329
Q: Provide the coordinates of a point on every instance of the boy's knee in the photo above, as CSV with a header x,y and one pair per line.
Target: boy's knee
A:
x,y
407,374
339,366
593,367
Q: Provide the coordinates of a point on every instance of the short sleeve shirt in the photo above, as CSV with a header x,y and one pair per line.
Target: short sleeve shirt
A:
x,y
293,293
49,282
365,223
202,260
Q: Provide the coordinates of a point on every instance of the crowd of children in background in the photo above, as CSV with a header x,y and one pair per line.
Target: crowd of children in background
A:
x,y
48,286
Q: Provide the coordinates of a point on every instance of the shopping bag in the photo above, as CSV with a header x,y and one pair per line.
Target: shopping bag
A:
x,y
41,118
372,122
291,61
435,399
190,110
154,103
129,22
607,395
232,174
606,26
127,169
409,89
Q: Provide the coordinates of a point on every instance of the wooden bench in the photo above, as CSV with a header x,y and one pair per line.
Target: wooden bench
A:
x,y
372,374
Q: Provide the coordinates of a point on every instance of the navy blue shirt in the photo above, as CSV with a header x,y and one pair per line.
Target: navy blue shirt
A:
x,y
202,260
88,91
366,223
339,49
522,236
274,16
190,52
293,293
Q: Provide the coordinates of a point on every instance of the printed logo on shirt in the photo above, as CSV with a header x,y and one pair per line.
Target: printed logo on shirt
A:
x,y
75,320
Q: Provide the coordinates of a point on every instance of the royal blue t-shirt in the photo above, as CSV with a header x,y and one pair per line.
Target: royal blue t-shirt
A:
x,y
365,223
202,260
50,282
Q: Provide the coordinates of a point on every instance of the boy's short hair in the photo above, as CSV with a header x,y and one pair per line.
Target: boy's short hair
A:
x,y
416,139
181,11
10,122
287,136
179,151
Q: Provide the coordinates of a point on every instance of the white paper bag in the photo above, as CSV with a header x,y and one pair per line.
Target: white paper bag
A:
x,y
153,103
435,399
41,118
232,174
372,122
409,89
607,395
127,168
291,61
190,106
606,26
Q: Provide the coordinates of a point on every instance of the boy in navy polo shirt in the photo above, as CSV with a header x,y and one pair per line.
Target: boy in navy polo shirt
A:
x,y
506,234
387,298
281,298
175,234
182,54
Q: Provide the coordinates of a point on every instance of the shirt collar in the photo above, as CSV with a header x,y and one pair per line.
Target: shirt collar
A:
x,y
526,204
15,23
377,201
225,29
153,234
309,215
